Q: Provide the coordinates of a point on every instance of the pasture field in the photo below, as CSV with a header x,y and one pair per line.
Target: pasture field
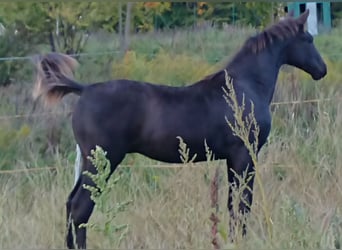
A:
x,y
300,165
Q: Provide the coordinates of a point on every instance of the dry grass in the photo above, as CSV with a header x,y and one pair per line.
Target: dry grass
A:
x,y
171,208
300,169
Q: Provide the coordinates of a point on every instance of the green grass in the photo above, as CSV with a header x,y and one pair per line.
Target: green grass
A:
x,y
300,167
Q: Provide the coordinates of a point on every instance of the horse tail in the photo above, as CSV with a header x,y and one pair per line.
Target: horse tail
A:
x,y
54,77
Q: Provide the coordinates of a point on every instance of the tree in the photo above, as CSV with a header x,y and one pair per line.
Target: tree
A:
x,y
55,26
220,13
65,26
149,15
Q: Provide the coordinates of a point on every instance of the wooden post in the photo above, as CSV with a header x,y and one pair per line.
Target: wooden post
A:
x,y
127,39
120,26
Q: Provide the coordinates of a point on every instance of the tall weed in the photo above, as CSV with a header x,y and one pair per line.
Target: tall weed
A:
x,y
100,194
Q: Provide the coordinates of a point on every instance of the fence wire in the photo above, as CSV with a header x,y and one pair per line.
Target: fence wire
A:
x,y
298,102
18,58
40,169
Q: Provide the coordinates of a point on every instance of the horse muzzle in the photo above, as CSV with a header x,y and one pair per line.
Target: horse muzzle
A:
x,y
320,73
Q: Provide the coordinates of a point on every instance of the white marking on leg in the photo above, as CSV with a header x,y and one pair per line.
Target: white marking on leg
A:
x,y
78,163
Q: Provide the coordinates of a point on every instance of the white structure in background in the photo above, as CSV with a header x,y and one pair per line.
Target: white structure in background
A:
x,y
312,19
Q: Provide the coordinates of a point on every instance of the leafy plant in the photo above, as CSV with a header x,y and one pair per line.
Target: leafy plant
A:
x,y
100,194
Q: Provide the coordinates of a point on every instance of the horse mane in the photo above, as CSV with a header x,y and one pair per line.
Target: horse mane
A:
x,y
283,29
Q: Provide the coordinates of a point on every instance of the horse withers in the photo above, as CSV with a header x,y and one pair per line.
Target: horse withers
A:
x,y
125,116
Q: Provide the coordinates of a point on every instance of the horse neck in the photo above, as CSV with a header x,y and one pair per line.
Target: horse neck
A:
x,y
258,72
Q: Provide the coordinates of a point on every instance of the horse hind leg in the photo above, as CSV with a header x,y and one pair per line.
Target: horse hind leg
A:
x,y
77,175
70,229
80,206
78,164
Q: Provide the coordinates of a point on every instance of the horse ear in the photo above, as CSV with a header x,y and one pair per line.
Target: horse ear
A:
x,y
303,17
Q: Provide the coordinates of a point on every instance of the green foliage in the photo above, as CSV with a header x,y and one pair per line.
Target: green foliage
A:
x,y
32,27
336,10
73,22
181,14
64,26
28,19
163,68
100,194
295,215
257,14
9,140
22,23
218,13
149,15
9,46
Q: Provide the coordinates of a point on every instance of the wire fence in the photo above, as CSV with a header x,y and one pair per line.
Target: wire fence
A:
x,y
9,117
160,166
40,169
108,52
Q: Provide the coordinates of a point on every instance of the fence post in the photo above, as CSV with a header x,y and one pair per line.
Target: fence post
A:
x,y
326,15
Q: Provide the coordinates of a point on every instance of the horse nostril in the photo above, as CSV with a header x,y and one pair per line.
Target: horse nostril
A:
x,y
324,71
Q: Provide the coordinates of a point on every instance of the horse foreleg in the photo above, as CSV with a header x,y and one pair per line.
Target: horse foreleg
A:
x,y
240,186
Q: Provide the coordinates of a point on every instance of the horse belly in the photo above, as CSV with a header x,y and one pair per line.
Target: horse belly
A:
x,y
163,126
165,146
166,152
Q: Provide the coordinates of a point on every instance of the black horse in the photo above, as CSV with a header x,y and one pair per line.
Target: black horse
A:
x,y
124,116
